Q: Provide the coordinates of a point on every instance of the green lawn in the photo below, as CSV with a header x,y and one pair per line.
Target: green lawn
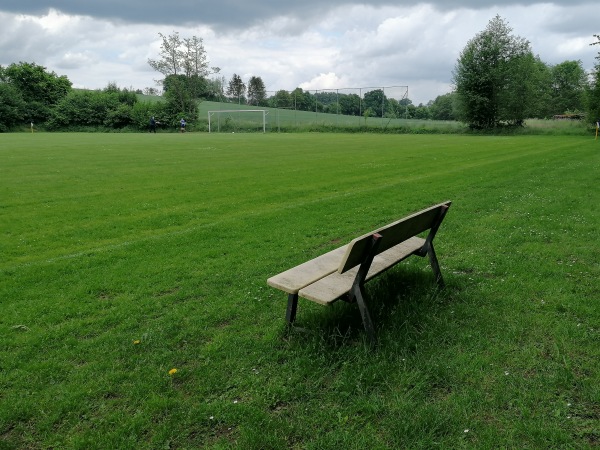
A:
x,y
127,255
278,119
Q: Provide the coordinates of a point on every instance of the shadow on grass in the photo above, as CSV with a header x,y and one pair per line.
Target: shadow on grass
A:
x,y
401,302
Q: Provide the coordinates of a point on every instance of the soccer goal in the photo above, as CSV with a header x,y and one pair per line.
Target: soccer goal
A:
x,y
237,120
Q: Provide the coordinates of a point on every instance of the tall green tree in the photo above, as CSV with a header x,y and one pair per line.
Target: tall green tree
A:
x,y
491,77
442,108
569,81
518,100
257,93
196,66
593,97
215,88
194,58
282,99
12,107
38,87
375,100
236,88
302,100
540,77
350,104
185,66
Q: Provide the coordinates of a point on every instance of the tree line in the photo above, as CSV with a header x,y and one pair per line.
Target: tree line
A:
x,y
498,82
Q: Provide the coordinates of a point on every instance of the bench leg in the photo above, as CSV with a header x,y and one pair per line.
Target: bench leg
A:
x,y
435,266
290,314
364,312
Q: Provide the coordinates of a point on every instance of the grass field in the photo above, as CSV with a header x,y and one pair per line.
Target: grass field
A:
x,y
278,119
125,256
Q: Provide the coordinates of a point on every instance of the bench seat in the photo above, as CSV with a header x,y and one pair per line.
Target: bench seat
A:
x,y
294,279
330,288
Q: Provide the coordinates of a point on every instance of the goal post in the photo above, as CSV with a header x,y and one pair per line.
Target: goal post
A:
x,y
233,117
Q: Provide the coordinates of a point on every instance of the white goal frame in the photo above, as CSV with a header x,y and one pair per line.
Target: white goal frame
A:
x,y
219,111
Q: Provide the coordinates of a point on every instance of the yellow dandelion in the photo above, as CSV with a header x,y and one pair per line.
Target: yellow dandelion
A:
x,y
136,342
172,371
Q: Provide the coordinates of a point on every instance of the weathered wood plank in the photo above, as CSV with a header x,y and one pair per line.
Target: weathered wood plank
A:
x,y
393,234
294,279
331,287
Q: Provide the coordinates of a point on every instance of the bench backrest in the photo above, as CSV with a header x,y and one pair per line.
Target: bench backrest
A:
x,y
393,234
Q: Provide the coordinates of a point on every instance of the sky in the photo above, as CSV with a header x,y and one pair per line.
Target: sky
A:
x,y
312,44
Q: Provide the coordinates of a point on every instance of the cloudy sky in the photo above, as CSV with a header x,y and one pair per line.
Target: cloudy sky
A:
x,y
314,44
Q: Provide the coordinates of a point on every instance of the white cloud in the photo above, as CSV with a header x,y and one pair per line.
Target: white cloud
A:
x,y
324,81
352,45
77,60
572,47
54,22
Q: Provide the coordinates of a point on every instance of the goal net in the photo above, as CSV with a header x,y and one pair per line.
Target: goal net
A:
x,y
232,120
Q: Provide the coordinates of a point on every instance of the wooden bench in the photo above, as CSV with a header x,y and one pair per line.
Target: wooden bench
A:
x,y
341,273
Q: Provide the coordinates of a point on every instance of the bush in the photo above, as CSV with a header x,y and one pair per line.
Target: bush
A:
x,y
94,109
119,117
12,107
143,111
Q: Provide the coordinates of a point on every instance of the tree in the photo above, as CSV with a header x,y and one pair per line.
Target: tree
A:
x,y
422,112
125,96
593,97
80,109
185,65
196,66
171,58
282,99
350,104
491,77
302,100
410,112
442,108
568,87
142,111
215,88
194,59
12,107
151,91
108,108
375,101
541,106
180,104
236,88
257,92
183,93
398,108
517,100
40,89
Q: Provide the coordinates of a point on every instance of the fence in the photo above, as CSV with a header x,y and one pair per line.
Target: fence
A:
x,y
341,107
